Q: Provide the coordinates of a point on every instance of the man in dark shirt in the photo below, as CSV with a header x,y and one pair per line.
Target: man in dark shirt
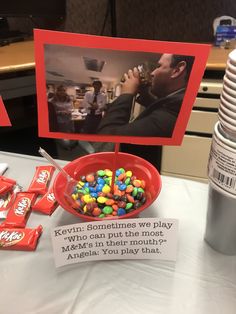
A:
x,y
168,85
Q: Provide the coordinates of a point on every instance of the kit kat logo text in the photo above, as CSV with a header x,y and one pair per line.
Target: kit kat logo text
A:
x,y
43,177
22,206
8,238
51,197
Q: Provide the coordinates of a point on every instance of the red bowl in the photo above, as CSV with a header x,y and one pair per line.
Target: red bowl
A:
x,y
141,168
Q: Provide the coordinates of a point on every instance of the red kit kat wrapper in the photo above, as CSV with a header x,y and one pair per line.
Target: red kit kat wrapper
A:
x,y
47,204
19,239
41,179
5,179
7,195
18,214
5,187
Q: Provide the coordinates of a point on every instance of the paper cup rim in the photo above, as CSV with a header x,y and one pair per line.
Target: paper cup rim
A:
x,y
227,125
228,112
229,98
229,82
227,104
227,119
231,76
229,143
229,90
232,56
230,65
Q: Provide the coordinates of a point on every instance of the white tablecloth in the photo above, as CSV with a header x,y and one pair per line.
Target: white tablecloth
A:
x,y
201,281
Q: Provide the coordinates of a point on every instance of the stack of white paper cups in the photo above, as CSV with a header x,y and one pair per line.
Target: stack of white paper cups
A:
x,y
221,212
227,107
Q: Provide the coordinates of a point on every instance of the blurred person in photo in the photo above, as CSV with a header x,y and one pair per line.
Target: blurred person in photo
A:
x,y
94,104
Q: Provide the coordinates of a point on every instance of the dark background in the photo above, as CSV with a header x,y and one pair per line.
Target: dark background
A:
x,y
181,20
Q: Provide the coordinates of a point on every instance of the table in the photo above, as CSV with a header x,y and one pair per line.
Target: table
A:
x,y
217,58
17,57
17,70
201,281
20,56
18,90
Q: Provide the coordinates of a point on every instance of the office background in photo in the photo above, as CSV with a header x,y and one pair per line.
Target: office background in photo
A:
x,y
169,21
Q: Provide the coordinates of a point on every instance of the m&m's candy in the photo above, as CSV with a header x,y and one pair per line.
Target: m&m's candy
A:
x,y
94,195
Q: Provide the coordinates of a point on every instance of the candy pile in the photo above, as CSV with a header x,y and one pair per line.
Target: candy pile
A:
x,y
16,207
93,195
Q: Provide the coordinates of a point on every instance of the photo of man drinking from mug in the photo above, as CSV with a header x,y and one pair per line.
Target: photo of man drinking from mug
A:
x,y
162,98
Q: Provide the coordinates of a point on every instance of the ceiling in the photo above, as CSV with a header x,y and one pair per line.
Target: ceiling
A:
x,y
67,64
